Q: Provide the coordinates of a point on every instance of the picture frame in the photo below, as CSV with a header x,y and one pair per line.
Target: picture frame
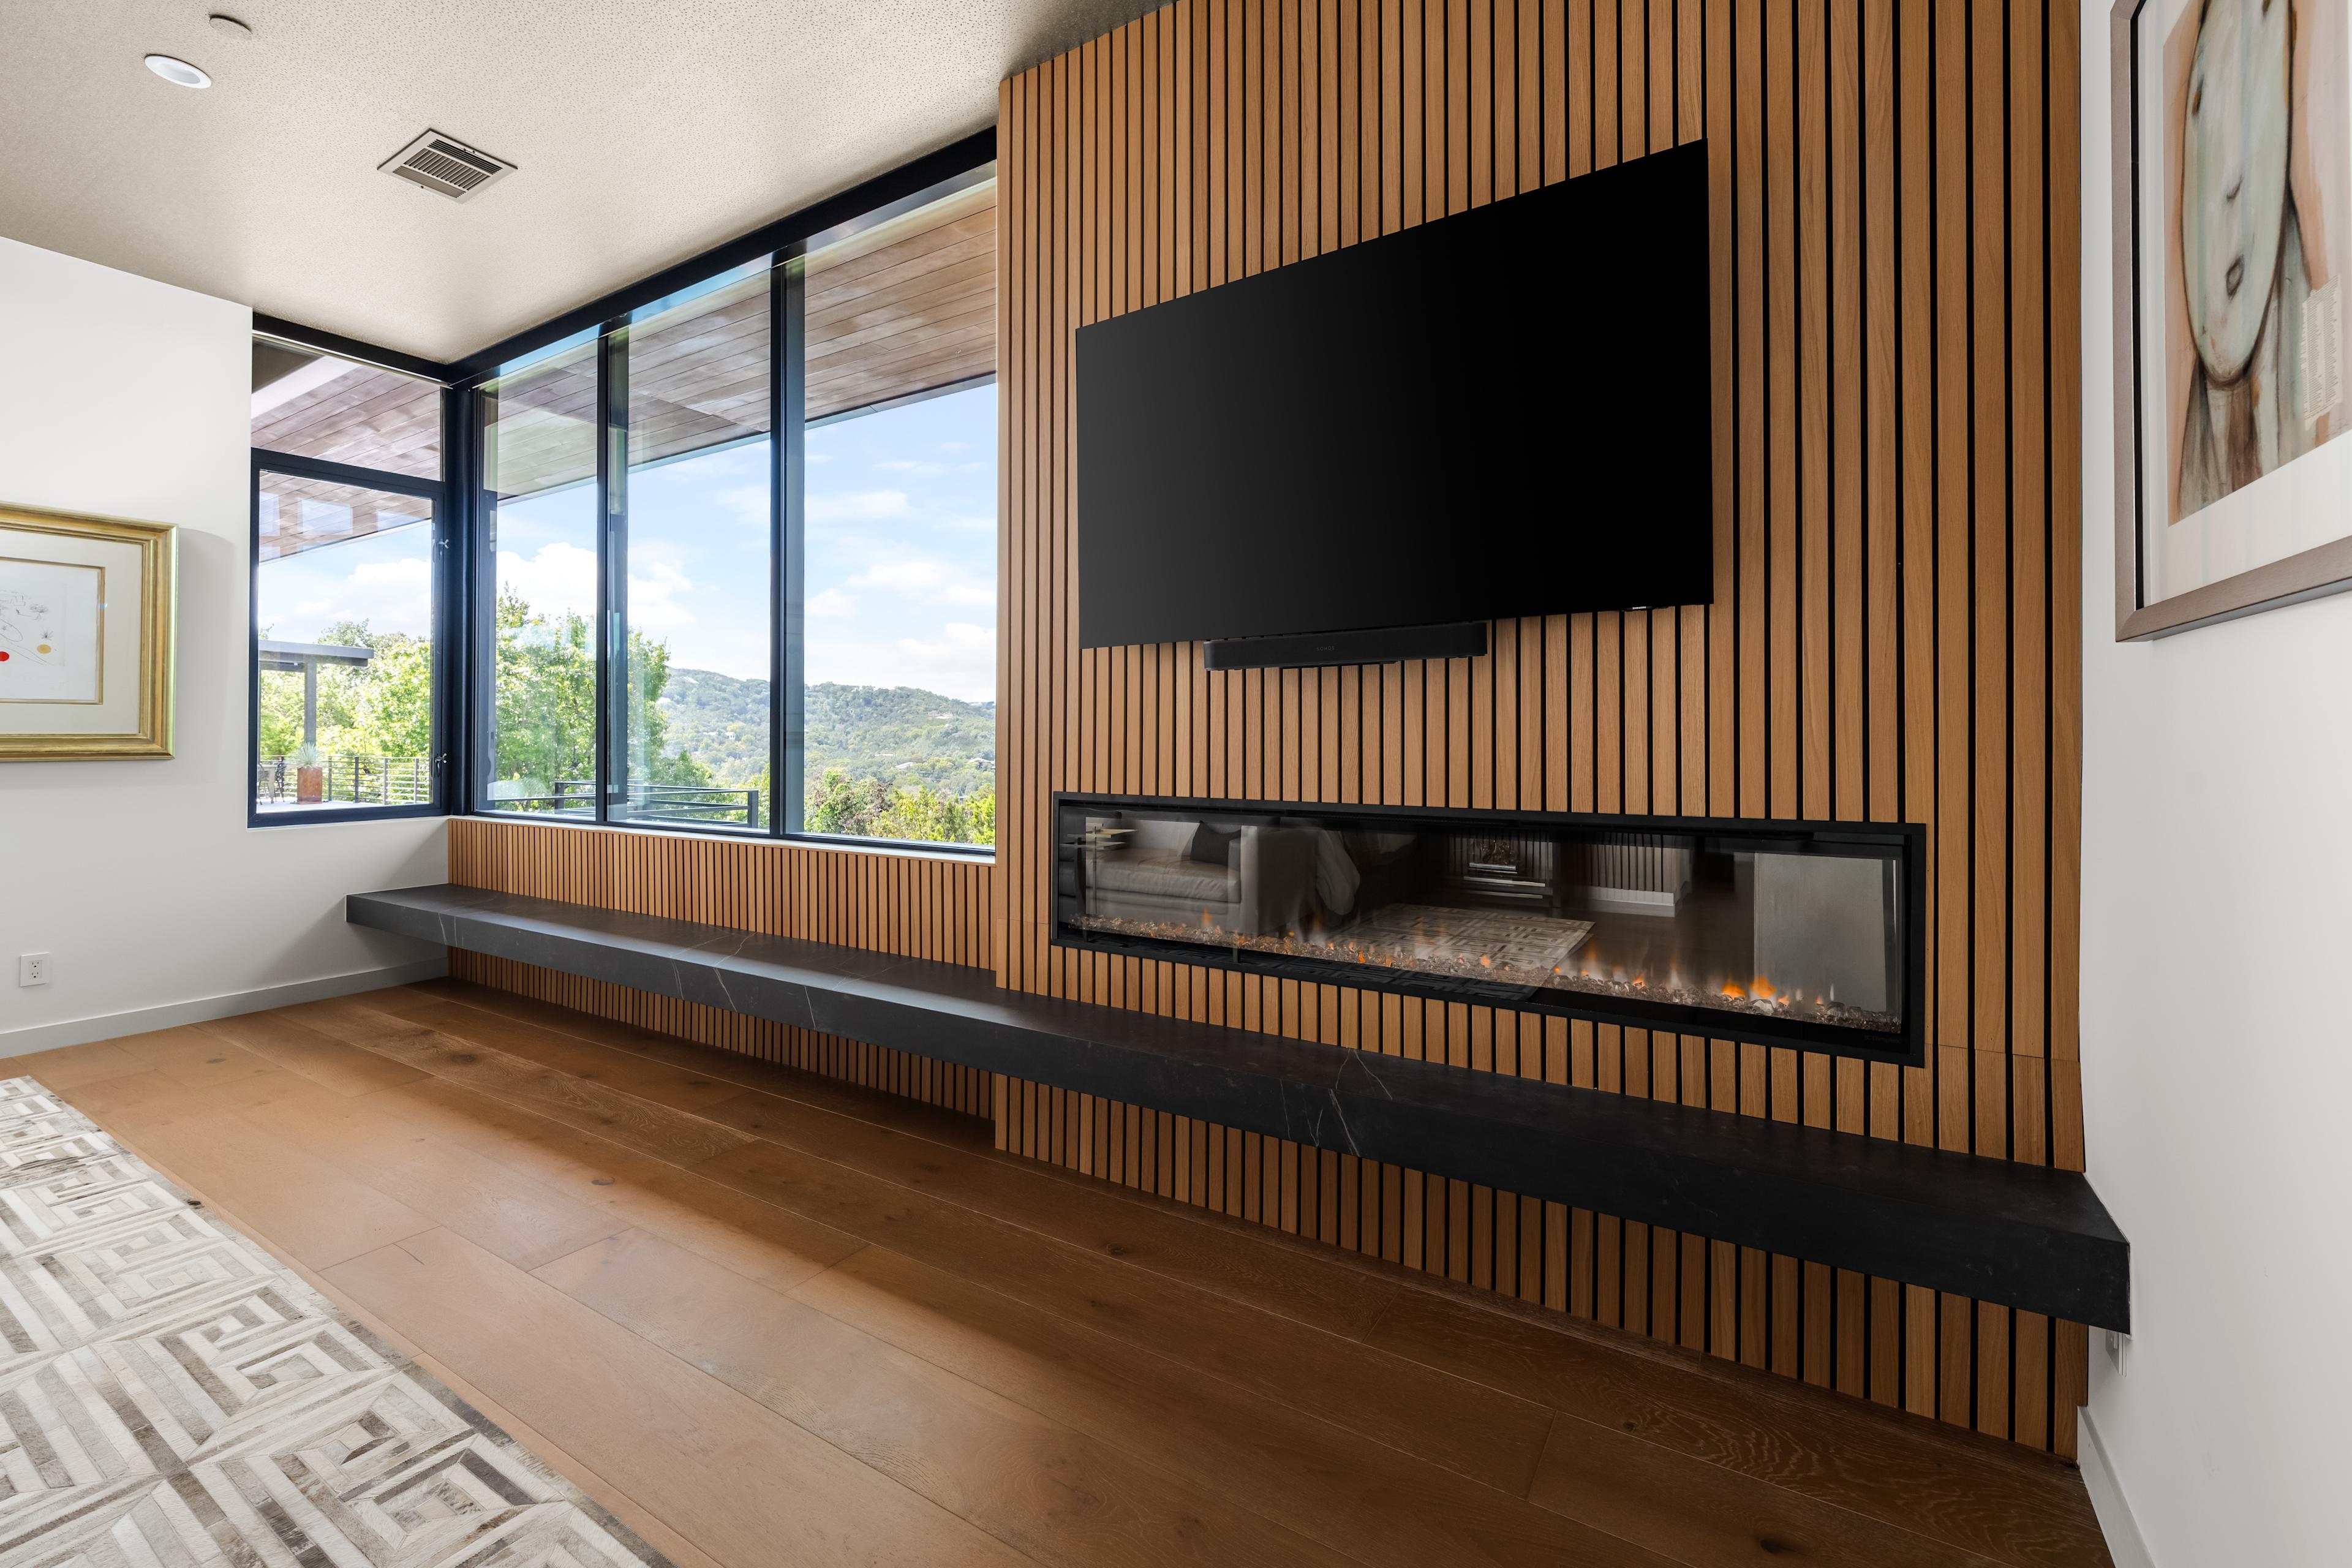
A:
x,y
2232,222
87,611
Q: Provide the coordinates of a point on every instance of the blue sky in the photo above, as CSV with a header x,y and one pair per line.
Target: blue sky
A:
x,y
901,555
384,579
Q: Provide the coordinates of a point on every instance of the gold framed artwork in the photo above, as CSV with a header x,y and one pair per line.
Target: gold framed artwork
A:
x,y
85,609
2232,142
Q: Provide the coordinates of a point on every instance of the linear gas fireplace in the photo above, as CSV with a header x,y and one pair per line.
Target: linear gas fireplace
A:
x,y
1787,934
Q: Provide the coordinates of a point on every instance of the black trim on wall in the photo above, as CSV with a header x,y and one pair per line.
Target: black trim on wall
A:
x,y
352,349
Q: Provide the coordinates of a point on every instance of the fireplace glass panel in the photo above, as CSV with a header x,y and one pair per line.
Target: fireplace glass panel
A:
x,y
1772,933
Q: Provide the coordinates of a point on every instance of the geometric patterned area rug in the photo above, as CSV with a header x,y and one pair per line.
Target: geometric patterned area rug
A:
x,y
171,1397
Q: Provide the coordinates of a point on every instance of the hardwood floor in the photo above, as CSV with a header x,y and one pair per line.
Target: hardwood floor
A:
x,y
769,1318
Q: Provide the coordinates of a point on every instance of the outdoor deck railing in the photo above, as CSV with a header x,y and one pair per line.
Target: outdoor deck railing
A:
x,y
349,780
647,802
345,779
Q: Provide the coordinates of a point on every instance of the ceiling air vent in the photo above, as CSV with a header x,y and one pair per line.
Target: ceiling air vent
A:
x,y
446,167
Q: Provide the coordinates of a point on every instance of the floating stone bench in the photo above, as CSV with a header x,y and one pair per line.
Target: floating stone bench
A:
x,y
2021,1236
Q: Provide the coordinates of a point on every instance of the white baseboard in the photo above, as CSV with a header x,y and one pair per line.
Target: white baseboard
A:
x,y
113,1026
2125,1543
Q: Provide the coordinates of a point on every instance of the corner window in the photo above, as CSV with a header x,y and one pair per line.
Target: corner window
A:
x,y
709,618
348,588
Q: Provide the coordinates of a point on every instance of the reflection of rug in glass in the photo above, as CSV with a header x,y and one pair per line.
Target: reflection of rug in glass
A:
x,y
1512,944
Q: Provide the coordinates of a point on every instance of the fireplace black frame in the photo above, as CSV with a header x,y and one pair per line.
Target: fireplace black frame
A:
x,y
1906,1048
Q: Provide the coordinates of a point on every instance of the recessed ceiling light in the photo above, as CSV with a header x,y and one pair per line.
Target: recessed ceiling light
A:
x,y
179,73
229,26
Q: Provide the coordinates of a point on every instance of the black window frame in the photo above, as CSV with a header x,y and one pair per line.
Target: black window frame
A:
x,y
785,245
452,606
465,673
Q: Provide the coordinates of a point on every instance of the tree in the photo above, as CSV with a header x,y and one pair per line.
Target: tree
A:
x,y
546,720
545,724
877,808
545,684
380,709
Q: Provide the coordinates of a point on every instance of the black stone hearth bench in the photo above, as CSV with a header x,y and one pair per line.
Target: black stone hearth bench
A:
x,y
2018,1235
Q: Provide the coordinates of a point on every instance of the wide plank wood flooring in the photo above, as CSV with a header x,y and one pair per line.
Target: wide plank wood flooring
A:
x,y
769,1318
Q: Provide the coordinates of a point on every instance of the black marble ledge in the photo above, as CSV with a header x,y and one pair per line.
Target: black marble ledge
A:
x,y
2021,1236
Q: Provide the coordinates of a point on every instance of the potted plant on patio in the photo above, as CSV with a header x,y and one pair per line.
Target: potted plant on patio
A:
x,y
310,776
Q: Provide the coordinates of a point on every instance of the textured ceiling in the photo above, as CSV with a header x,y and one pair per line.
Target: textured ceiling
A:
x,y
646,130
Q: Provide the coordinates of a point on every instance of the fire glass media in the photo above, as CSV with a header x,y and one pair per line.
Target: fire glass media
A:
x,y
1803,935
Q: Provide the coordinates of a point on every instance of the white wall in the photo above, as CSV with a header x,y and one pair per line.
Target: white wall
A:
x,y
2217,1026
126,397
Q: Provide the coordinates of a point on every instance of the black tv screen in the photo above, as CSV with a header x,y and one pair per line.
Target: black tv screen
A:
x,y
1501,413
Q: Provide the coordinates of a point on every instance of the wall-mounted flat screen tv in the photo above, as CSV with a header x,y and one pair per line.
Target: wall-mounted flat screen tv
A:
x,y
1501,413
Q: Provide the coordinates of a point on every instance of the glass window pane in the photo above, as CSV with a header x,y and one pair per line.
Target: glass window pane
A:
x,y
899,571
346,601
695,698
316,406
539,479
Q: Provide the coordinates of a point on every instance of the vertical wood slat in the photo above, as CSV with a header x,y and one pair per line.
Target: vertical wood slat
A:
x,y
920,906
1895,587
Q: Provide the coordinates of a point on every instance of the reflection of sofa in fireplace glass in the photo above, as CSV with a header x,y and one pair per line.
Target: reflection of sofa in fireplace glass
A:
x,y
1250,880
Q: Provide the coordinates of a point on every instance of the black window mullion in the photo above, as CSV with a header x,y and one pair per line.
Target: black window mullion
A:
x,y
253,643
788,720
477,518
452,656
612,579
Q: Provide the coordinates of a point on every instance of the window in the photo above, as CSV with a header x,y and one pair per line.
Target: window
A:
x,y
539,524
703,618
694,530
898,526
347,587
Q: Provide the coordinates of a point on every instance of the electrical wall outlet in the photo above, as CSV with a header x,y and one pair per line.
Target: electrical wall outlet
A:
x,y
32,969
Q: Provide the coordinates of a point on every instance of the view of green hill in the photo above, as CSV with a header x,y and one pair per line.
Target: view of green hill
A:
x,y
899,733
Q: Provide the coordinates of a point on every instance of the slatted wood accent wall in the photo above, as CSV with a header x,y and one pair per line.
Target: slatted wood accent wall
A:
x,y
1893,635
918,905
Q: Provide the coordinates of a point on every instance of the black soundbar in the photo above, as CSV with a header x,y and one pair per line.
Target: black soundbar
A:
x,y
1384,645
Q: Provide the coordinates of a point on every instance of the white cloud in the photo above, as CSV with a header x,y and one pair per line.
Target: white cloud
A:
x,y
859,506
560,579
913,466
653,596
960,662
833,604
389,596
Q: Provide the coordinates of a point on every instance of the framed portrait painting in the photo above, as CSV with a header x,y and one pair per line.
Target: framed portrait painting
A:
x,y
85,636
2233,230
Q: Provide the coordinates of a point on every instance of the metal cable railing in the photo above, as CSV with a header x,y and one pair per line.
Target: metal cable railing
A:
x,y
645,803
343,779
